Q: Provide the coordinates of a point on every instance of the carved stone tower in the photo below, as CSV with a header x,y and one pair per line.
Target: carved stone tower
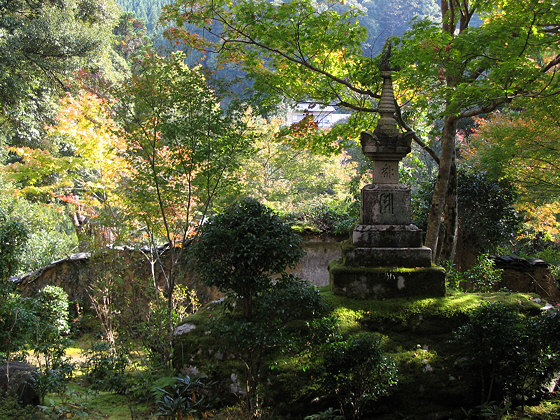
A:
x,y
386,257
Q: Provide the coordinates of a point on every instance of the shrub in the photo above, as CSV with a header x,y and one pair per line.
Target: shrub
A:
x,y
240,249
358,373
509,358
53,307
105,367
245,251
13,235
332,218
487,218
186,397
481,278
18,320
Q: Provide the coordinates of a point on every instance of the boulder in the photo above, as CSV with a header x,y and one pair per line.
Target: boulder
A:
x,y
16,379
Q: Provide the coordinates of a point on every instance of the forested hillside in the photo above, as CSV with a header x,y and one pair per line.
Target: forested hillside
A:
x,y
382,18
146,10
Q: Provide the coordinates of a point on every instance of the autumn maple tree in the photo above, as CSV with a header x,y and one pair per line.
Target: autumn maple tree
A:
x,y
80,164
182,147
520,145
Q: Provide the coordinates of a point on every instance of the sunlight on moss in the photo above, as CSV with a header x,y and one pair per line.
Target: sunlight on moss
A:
x,y
349,319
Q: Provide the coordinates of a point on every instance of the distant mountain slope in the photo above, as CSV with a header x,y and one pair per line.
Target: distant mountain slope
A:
x,y
146,10
384,17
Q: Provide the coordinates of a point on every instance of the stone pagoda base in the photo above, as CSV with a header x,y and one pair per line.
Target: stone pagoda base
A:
x,y
386,258
386,282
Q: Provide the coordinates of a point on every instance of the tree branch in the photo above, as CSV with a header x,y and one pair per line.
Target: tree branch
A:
x,y
249,40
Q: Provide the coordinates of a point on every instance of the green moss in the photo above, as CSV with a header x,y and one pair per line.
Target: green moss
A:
x,y
79,401
416,332
447,306
546,410
337,265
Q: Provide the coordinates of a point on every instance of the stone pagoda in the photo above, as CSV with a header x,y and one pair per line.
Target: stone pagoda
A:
x,y
386,257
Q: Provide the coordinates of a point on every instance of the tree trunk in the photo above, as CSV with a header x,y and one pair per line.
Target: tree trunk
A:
x,y
440,190
450,216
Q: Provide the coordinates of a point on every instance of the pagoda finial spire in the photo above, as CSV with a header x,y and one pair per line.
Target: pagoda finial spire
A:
x,y
386,143
387,102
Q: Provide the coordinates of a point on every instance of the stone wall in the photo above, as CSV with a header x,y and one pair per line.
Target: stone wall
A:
x,y
75,273
528,275
314,266
126,268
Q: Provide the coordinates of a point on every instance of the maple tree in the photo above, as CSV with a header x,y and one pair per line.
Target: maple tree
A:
x,y
80,164
182,147
42,44
455,69
287,176
520,145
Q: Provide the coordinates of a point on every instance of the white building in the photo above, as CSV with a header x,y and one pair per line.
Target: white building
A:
x,y
325,116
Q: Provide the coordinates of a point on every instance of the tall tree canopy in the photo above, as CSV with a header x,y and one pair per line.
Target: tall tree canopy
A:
x,y
41,44
453,69
520,145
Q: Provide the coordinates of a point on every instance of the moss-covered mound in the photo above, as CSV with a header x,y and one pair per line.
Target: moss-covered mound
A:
x,y
417,333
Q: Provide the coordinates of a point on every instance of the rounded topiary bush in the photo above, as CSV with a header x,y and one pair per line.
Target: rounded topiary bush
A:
x,y
239,250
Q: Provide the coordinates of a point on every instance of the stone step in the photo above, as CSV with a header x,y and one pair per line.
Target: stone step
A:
x,y
386,257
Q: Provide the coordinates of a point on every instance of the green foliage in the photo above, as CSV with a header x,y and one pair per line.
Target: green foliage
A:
x,y
13,235
332,218
52,379
283,321
328,414
487,217
147,11
104,367
185,397
480,278
484,275
358,373
518,145
11,409
43,43
252,32
18,319
240,249
53,307
181,146
49,236
510,358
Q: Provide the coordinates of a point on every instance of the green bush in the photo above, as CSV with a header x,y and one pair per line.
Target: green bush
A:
x,y
11,409
509,358
185,397
487,219
13,235
244,252
334,219
358,373
18,320
104,367
239,250
480,278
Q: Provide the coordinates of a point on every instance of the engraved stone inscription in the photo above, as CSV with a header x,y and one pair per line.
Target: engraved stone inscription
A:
x,y
387,171
386,203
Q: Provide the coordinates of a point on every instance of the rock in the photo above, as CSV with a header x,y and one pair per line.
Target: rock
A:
x,y
184,329
15,378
